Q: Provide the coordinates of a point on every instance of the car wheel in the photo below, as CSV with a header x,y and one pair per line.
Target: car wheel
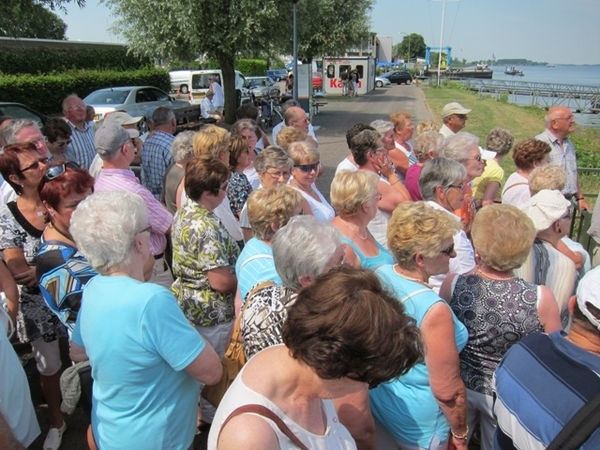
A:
x,y
408,82
184,89
379,84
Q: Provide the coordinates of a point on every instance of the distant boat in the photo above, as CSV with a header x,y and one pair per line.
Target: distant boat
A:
x,y
514,71
549,65
481,71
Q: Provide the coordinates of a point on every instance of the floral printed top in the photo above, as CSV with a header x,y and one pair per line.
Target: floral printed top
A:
x,y
238,190
201,243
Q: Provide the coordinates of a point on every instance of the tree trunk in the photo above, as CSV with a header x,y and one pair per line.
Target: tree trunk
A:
x,y
229,90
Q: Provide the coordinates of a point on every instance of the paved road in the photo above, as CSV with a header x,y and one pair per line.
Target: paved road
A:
x,y
333,121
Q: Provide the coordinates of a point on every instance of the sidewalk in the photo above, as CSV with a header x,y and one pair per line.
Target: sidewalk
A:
x,y
341,113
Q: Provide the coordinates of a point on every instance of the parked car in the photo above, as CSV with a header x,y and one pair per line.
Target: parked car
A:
x,y
398,76
20,111
180,81
277,74
134,100
200,82
260,87
317,81
382,81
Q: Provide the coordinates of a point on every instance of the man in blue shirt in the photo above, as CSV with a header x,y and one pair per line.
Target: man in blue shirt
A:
x,y
156,154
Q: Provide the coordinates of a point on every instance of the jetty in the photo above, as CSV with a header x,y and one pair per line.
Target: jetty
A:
x,y
579,98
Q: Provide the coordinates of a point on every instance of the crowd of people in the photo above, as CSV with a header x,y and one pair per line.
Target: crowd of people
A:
x,y
427,301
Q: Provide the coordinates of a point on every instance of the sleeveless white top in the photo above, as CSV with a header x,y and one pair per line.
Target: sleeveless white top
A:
x,y
322,210
336,436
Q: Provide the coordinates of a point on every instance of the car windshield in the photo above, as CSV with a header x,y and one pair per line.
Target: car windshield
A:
x,y
254,82
106,97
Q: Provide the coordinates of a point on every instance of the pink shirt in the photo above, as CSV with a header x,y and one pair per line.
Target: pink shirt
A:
x,y
125,180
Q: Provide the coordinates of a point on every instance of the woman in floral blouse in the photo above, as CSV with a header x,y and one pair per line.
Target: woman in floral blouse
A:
x,y
204,254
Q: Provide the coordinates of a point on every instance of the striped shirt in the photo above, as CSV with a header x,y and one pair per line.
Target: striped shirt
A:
x,y
159,218
82,148
156,159
563,155
540,384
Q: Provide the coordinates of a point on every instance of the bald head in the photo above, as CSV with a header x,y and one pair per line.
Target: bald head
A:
x,y
560,121
296,117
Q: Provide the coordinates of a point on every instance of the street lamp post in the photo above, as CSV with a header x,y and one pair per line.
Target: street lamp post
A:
x,y
295,70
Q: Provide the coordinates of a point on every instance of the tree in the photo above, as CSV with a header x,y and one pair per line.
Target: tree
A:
x,y
412,46
33,18
216,29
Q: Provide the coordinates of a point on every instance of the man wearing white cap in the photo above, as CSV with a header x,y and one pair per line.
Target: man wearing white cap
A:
x,y
454,116
115,147
548,262
126,121
545,379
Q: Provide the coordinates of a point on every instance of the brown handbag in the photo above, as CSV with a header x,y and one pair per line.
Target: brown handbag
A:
x,y
234,358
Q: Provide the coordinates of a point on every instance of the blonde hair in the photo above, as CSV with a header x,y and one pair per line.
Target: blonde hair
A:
x,y
352,189
211,140
399,119
271,206
547,177
416,227
428,145
299,151
428,125
287,135
509,244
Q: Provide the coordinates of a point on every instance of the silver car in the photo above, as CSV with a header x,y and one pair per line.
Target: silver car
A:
x,y
134,100
262,87
382,81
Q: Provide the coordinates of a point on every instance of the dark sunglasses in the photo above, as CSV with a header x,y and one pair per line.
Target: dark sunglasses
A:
x,y
448,251
308,168
56,171
35,165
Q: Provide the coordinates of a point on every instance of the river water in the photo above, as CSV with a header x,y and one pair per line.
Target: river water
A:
x,y
588,75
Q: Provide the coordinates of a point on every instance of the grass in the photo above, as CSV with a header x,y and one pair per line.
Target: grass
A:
x,y
523,121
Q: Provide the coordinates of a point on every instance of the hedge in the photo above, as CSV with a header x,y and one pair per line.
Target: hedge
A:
x,y
55,60
249,67
45,93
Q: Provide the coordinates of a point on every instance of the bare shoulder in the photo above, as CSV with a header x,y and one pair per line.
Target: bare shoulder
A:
x,y
247,431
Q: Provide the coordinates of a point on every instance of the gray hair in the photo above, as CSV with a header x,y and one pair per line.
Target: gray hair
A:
x,y
8,134
439,172
67,99
303,247
105,225
272,158
457,146
162,115
183,146
382,126
500,141
426,143
243,124
288,104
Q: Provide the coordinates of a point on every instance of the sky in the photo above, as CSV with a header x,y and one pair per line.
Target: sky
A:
x,y
554,31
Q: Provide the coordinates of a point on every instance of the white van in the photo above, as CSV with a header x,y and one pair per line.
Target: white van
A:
x,y
180,81
200,82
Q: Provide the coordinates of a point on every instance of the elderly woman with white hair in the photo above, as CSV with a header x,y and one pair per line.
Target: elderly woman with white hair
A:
x,y
146,375
427,146
442,186
551,214
463,147
182,151
303,250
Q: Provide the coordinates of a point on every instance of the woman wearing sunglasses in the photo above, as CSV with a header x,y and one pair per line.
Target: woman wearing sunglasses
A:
x,y
62,271
58,133
306,169
22,223
496,306
426,408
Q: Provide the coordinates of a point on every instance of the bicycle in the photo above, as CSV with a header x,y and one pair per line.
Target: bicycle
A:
x,y
270,114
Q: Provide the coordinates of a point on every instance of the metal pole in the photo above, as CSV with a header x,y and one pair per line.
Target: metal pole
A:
x,y
441,40
295,72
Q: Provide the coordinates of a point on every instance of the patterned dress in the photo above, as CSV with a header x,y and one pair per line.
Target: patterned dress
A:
x,y
497,314
35,320
238,190
201,243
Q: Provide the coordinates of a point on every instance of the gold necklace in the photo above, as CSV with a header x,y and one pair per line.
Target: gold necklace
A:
x,y
492,277
355,231
403,275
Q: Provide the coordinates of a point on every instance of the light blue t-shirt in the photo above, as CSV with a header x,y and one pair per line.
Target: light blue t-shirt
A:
x,y
139,344
405,407
255,265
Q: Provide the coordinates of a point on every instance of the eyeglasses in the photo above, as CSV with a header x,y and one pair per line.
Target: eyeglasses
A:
x,y
76,108
38,141
308,168
277,175
461,116
448,251
148,229
56,171
477,158
568,214
35,165
63,143
564,118
460,186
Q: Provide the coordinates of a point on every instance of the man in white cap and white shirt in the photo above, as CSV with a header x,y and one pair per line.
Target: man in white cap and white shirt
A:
x,y
545,379
454,116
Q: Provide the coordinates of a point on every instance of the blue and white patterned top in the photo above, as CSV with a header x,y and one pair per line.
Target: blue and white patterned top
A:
x,y
156,159
82,148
